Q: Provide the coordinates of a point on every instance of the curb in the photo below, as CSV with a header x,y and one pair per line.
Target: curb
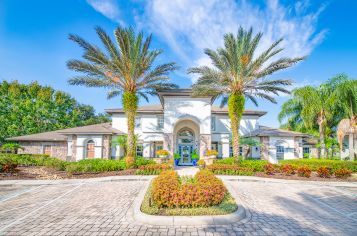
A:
x,y
76,181
136,215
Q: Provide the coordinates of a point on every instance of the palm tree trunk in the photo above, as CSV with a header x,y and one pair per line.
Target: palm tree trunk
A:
x,y
130,104
322,136
235,109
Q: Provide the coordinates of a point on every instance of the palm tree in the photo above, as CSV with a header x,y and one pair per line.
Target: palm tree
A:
x,y
238,74
125,69
317,108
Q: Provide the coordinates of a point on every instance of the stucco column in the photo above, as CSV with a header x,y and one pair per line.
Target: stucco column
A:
x,y
225,149
168,143
205,143
146,149
265,148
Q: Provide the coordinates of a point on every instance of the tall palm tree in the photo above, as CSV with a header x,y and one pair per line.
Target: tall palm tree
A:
x,y
126,69
238,74
318,107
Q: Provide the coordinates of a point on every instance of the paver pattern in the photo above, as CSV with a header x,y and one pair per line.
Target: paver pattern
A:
x,y
100,208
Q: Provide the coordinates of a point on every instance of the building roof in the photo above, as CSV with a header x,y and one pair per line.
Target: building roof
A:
x,y
267,131
60,135
157,109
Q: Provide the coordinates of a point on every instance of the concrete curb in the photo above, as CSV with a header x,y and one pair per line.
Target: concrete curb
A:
x,y
76,181
136,215
285,181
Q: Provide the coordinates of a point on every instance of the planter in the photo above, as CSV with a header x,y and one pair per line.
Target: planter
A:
x,y
194,162
177,162
209,159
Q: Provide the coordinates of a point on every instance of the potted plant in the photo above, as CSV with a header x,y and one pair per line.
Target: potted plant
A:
x,y
177,158
162,153
194,157
210,156
201,163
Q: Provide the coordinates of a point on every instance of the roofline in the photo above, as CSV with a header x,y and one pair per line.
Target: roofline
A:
x,y
179,93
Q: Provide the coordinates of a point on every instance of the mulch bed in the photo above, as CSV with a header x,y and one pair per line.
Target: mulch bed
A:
x,y
37,172
313,177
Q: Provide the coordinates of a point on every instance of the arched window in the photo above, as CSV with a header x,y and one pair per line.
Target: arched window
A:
x,y
185,136
90,149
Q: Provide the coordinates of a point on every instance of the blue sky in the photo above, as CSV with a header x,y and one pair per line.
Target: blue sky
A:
x,y
34,41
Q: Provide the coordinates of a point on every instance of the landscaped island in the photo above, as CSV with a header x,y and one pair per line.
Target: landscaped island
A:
x,y
203,194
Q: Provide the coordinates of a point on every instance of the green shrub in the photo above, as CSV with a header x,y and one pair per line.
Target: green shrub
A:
x,y
95,165
256,165
206,190
226,169
314,164
36,160
7,164
342,173
153,169
141,161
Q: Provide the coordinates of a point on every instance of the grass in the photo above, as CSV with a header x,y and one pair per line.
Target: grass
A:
x,y
227,206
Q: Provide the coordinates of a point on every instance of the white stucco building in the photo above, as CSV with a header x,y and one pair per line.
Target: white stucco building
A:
x,y
180,124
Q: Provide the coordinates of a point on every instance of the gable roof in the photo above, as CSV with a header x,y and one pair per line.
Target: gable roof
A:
x,y
60,135
268,131
157,109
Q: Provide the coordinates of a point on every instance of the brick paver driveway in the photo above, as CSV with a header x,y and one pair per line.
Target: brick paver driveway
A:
x,y
100,208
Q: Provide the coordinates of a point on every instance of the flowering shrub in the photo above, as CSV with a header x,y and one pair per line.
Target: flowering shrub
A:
x,y
211,153
304,171
324,172
225,169
269,169
153,169
201,162
288,169
162,152
342,173
206,190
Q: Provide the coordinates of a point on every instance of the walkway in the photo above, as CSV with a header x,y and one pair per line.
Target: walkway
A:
x,y
186,170
100,206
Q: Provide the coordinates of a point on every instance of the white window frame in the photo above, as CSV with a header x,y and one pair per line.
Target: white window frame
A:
x,y
139,149
281,151
138,122
160,122
213,123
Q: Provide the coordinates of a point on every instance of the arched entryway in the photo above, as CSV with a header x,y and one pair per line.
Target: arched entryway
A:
x,y
186,137
90,149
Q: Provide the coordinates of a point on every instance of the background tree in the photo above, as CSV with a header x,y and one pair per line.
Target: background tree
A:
x,y
126,69
32,108
247,144
238,74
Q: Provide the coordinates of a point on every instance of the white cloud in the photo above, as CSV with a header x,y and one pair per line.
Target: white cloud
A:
x,y
108,8
190,26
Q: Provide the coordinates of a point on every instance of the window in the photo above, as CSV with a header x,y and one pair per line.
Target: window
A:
x,y
139,150
158,146
137,122
240,151
280,152
306,152
47,150
230,151
160,122
90,149
213,123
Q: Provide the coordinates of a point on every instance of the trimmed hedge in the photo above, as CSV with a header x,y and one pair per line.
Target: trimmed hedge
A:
x,y
95,165
225,169
153,169
255,165
314,164
169,191
35,160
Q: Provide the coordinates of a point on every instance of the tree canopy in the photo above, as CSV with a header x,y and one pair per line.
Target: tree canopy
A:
x,y
32,108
